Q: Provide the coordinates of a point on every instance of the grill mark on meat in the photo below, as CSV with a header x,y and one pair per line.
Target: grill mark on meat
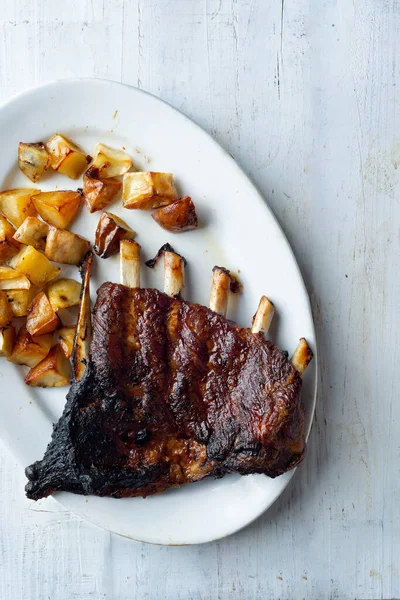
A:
x,y
172,393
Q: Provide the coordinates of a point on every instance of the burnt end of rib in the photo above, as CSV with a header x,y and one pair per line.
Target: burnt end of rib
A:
x,y
172,393
57,470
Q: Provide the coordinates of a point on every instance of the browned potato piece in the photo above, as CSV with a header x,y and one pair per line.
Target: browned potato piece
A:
x,y
65,247
110,231
110,161
33,160
7,338
66,157
6,315
66,337
8,245
34,265
19,300
30,350
41,317
179,216
148,190
58,208
17,204
53,371
10,279
32,232
64,293
99,193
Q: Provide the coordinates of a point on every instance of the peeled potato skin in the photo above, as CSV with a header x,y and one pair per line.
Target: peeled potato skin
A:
x,y
177,217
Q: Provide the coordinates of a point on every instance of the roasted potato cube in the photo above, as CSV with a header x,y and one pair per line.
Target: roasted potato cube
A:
x,y
41,317
110,231
8,245
53,371
65,247
35,265
179,216
19,300
58,208
10,279
66,157
99,193
64,293
6,315
110,161
33,160
32,232
66,337
17,204
148,190
7,338
30,350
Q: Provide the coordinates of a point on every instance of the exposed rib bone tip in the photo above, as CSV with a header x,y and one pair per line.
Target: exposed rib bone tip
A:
x,y
130,263
83,333
263,317
220,287
174,274
301,356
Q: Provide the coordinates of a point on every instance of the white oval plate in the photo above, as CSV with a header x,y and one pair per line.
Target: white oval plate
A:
x,y
237,231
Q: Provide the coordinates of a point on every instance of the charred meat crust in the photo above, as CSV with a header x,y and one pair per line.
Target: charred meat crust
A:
x,y
172,393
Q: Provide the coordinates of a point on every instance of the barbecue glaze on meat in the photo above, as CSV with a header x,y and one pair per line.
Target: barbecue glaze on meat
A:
x,y
172,393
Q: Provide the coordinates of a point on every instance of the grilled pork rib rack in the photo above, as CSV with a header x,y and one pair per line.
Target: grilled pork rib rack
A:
x,y
168,392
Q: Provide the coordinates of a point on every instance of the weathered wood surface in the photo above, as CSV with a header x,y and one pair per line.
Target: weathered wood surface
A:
x,y
304,94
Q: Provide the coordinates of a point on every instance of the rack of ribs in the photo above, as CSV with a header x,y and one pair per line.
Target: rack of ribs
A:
x,y
167,392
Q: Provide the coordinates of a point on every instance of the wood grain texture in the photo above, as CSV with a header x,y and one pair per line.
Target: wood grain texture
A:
x,y
304,94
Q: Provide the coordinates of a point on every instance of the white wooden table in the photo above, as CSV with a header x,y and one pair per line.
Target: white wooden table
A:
x,y
303,94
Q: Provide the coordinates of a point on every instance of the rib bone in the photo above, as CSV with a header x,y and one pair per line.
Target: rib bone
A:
x,y
220,290
301,356
80,353
174,269
263,317
130,263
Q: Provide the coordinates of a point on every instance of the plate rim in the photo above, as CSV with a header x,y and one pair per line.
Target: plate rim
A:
x,y
260,198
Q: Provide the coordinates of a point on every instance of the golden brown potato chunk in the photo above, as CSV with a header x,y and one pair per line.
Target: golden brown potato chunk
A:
x,y
6,315
35,265
110,231
99,193
17,204
65,247
32,232
58,208
53,371
66,337
19,300
41,317
66,157
10,279
8,245
33,160
147,190
30,350
110,161
64,293
179,216
7,338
